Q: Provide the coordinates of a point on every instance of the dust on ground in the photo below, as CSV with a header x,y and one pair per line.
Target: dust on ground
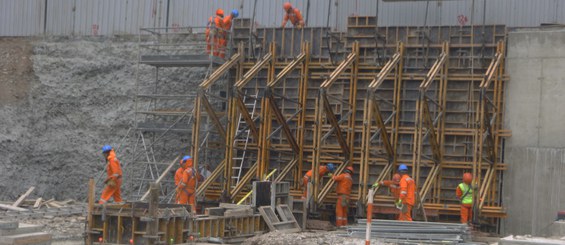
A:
x,y
306,238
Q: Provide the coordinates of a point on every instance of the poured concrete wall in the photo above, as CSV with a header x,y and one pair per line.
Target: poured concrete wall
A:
x,y
534,185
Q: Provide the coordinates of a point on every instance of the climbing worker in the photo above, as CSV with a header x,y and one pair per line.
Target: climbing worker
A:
x,y
182,166
292,14
393,185
344,182
464,192
187,185
322,170
228,20
215,34
114,180
407,192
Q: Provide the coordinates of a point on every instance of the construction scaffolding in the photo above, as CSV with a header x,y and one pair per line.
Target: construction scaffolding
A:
x,y
372,98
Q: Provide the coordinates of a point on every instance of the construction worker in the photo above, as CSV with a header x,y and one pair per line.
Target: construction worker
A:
x,y
215,34
228,20
393,185
464,192
182,166
344,182
187,185
407,192
292,14
322,171
114,180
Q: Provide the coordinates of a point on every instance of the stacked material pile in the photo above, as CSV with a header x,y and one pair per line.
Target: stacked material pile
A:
x,y
412,232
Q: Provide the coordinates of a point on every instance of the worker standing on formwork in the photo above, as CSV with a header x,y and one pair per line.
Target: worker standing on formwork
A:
x,y
180,171
187,186
216,34
322,171
344,183
292,14
464,192
114,180
228,20
406,199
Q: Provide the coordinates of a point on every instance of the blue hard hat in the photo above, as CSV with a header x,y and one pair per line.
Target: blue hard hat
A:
x,y
106,148
330,167
186,158
235,13
402,167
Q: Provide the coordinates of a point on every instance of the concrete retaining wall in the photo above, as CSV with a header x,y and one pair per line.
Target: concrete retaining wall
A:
x,y
534,185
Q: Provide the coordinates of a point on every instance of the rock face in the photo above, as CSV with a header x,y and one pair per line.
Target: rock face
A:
x,y
61,100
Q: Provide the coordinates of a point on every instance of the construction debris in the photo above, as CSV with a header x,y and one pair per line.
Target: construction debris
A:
x,y
12,233
22,197
415,232
287,223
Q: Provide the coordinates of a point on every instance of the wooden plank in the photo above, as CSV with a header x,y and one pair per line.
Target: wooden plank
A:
x,y
38,202
23,197
30,238
161,177
11,208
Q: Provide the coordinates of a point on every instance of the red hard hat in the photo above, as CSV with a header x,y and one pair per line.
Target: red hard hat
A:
x,y
396,178
220,12
349,168
287,6
467,178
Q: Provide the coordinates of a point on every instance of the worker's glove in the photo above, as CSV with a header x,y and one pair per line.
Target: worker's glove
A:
x,y
330,175
376,185
399,204
111,183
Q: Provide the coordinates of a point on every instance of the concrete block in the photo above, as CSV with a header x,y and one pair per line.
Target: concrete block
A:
x,y
29,238
557,229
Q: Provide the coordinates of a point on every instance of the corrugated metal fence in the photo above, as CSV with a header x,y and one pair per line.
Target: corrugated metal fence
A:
x,y
112,17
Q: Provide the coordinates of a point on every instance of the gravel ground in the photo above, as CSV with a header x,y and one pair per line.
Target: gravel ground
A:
x,y
307,238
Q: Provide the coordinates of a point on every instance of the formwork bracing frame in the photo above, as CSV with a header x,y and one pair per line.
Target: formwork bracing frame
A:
x,y
324,107
372,114
201,99
266,60
489,125
430,126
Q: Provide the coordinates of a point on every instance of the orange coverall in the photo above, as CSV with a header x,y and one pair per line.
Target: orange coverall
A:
x,y
407,193
218,39
466,209
188,186
178,175
343,189
295,18
114,176
322,170
393,187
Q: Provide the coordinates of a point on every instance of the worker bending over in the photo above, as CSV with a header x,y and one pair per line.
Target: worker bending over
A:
x,y
182,166
114,180
187,185
464,192
292,14
322,170
216,34
393,185
407,192
344,182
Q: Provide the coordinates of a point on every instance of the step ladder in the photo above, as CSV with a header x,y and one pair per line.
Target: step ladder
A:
x,y
240,160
